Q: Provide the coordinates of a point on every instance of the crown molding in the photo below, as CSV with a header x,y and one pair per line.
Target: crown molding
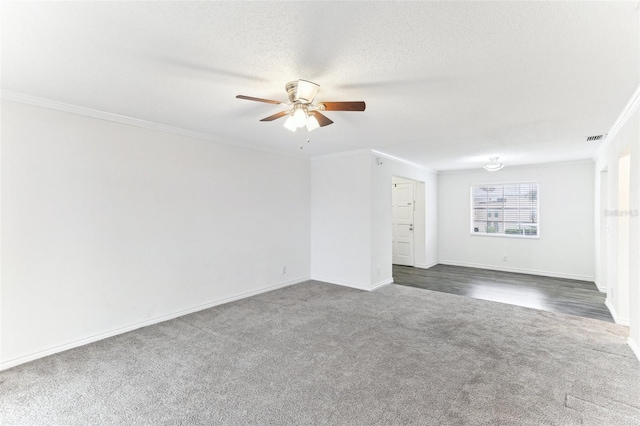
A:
x,y
372,152
36,101
627,112
566,163
340,154
402,160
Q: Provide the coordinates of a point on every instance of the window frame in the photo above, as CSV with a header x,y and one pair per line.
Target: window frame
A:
x,y
503,235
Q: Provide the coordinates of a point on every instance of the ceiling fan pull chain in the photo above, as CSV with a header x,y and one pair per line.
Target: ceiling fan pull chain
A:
x,y
308,140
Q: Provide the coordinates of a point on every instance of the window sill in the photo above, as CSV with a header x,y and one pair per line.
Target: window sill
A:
x,y
496,235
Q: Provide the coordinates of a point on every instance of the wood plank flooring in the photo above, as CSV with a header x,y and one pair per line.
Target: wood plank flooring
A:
x,y
572,297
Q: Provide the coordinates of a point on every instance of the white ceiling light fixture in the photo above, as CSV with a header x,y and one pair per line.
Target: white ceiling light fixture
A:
x,y
300,115
493,165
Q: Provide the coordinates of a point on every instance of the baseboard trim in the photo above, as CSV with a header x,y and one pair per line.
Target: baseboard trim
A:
x,y
634,347
425,265
601,289
518,270
81,342
614,314
365,287
381,284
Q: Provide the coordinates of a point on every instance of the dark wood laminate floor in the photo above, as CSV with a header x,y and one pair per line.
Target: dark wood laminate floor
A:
x,y
572,297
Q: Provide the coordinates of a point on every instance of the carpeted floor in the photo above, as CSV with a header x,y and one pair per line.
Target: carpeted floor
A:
x,y
316,353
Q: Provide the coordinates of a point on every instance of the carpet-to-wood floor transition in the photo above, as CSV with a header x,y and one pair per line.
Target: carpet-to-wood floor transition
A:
x,y
561,295
315,353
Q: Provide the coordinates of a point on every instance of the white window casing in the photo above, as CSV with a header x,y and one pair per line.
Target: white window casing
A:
x,y
506,209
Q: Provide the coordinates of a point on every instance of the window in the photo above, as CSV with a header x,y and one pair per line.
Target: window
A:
x,y
505,209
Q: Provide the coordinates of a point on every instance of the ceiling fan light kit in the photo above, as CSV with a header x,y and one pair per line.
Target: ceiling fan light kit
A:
x,y
312,123
493,165
300,115
302,112
290,123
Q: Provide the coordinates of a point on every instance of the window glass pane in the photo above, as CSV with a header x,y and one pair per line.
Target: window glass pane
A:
x,y
480,227
508,209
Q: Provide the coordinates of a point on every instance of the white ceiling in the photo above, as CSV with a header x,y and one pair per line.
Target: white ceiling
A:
x,y
447,84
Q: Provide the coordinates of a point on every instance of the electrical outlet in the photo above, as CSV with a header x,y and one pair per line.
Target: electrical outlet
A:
x,y
378,270
284,269
505,258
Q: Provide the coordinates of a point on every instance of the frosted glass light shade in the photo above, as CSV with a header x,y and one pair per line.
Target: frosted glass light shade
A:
x,y
300,117
312,123
291,124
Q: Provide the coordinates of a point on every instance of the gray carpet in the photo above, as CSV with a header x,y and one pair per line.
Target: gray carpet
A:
x,y
316,353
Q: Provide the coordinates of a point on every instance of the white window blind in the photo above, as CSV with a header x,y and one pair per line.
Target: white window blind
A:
x,y
505,209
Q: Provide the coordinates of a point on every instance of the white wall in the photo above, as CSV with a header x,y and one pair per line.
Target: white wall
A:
x,y
341,219
565,247
351,229
634,238
624,140
107,227
622,286
420,227
602,228
425,254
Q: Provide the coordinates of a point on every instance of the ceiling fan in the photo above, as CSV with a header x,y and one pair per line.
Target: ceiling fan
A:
x,y
301,110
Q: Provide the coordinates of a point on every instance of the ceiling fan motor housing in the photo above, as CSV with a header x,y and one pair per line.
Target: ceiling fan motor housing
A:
x,y
292,88
301,91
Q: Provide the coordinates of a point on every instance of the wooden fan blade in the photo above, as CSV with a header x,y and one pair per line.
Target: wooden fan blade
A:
x,y
275,116
323,120
343,106
251,98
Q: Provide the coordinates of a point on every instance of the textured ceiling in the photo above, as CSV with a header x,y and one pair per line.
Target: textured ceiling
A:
x,y
447,84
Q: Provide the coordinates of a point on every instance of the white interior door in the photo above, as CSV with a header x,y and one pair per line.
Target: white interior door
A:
x,y
402,212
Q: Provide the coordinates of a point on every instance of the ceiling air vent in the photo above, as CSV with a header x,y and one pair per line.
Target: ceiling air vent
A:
x,y
595,138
